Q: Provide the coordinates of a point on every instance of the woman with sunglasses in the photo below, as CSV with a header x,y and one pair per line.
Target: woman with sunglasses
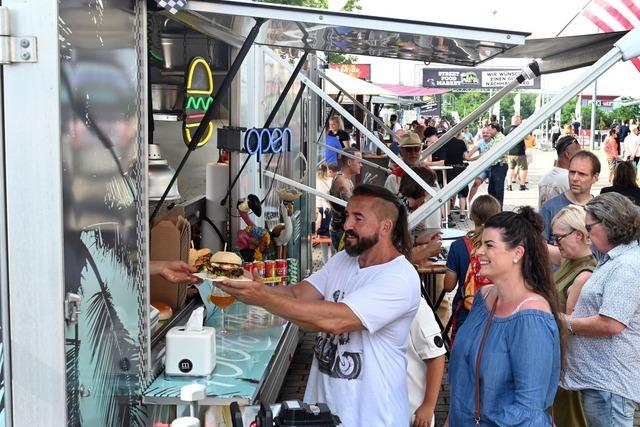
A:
x,y
604,327
576,263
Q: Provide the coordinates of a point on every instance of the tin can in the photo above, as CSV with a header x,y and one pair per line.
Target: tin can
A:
x,y
281,267
259,267
269,268
247,266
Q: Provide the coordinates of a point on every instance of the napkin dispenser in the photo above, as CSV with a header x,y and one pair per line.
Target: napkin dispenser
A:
x,y
190,353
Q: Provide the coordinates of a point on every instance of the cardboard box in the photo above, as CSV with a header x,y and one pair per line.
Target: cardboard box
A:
x,y
169,240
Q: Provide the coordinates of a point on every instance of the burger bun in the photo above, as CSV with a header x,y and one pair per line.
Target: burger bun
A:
x,y
165,310
222,257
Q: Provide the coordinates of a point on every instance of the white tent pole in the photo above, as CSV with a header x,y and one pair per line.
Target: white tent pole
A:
x,y
312,86
303,187
626,45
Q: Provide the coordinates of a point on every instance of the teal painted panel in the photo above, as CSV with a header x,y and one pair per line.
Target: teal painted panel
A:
x,y
243,356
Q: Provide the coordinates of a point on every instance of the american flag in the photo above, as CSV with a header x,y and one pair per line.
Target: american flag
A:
x,y
614,15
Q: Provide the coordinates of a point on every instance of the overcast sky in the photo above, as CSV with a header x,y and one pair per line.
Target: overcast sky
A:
x,y
542,18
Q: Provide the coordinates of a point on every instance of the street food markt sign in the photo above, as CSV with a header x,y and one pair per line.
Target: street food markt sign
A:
x,y
474,78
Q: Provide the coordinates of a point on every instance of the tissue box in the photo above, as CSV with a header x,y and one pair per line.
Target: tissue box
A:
x,y
190,353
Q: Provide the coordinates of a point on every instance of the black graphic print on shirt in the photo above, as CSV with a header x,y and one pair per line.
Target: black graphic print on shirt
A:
x,y
339,356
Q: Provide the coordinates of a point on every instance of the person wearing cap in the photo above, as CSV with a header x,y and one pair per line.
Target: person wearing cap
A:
x,y
556,181
409,146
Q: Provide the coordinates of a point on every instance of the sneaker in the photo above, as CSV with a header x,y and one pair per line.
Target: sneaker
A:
x,y
523,187
450,218
509,187
463,217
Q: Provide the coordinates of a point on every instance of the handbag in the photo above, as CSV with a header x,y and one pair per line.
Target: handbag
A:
x,y
485,333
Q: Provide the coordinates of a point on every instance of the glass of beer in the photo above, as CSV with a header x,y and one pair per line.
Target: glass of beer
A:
x,y
223,300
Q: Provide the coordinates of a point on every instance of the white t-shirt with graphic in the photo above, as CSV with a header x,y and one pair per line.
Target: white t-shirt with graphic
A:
x,y
362,375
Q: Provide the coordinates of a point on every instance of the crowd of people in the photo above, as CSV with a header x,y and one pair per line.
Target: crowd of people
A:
x,y
545,320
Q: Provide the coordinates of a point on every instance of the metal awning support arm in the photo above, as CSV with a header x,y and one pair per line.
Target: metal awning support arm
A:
x,y
518,134
351,156
311,85
362,107
208,115
305,188
530,71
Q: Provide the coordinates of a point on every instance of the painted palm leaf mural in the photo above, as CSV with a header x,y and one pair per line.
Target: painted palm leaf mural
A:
x,y
105,212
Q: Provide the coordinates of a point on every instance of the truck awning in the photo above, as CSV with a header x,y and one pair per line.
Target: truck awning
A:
x,y
353,85
348,33
402,90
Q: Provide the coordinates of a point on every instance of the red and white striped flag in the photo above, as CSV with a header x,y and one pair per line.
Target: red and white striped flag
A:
x,y
614,15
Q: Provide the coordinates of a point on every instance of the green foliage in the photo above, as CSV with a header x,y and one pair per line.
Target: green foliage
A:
x,y
527,105
507,106
339,58
568,110
625,113
602,118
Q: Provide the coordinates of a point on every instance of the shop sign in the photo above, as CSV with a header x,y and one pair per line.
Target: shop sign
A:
x,y
267,141
473,78
359,71
199,87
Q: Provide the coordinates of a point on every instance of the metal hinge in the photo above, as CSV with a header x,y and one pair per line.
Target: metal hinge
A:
x,y
14,49
72,307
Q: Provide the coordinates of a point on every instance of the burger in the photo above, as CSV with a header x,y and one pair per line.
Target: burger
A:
x,y
198,258
224,265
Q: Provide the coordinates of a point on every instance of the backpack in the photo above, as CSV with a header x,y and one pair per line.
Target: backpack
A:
x,y
472,281
471,285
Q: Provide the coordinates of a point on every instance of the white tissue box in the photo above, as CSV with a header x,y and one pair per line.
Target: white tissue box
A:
x,y
190,353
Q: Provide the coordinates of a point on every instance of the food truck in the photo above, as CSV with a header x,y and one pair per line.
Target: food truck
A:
x,y
100,98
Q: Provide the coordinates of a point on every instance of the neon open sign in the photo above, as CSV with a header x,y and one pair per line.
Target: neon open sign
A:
x,y
267,141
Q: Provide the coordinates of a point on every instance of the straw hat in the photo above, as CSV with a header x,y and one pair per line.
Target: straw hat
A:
x,y
410,139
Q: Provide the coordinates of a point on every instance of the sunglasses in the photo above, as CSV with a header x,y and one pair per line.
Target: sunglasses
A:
x,y
558,237
590,226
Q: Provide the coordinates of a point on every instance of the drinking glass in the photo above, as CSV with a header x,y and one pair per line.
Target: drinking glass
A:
x,y
223,300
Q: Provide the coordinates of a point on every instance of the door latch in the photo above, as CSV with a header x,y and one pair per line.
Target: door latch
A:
x,y
72,307
14,49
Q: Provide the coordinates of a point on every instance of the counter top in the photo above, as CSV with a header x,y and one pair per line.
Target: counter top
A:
x,y
245,357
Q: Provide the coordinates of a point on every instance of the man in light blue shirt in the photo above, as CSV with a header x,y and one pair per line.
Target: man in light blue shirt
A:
x,y
584,169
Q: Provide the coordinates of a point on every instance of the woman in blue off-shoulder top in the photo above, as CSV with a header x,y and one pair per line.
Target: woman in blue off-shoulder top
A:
x,y
520,359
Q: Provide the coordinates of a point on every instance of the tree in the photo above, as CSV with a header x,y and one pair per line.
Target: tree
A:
x,y
318,4
568,111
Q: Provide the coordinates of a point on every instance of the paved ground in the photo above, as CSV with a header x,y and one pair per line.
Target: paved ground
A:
x,y
296,380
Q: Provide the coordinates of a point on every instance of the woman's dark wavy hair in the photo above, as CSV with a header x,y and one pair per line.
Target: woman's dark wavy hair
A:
x,y
524,228
400,236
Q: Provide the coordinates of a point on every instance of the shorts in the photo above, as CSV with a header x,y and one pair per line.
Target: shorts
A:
x,y
453,173
484,175
518,161
612,164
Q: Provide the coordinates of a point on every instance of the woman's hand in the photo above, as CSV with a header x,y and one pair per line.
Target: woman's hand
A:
x,y
178,272
423,416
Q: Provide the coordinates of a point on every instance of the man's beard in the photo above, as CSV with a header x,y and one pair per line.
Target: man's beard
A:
x,y
361,245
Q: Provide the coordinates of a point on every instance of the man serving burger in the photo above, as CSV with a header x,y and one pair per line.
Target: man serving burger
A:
x,y
361,303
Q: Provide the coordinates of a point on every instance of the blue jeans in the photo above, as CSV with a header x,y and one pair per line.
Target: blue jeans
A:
x,y
497,175
606,409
